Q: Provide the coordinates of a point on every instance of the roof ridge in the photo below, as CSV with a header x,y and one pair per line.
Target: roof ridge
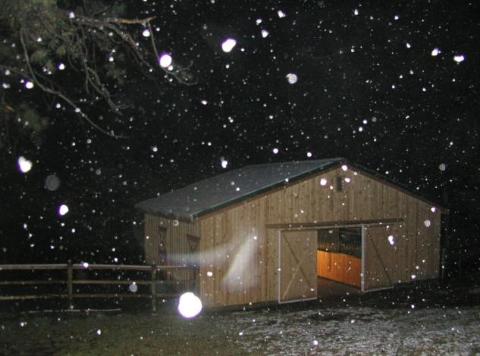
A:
x,y
333,159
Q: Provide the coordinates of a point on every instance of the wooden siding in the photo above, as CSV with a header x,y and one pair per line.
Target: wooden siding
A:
x,y
298,278
339,267
254,226
385,249
176,236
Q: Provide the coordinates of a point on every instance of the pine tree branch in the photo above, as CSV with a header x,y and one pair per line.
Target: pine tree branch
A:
x,y
52,91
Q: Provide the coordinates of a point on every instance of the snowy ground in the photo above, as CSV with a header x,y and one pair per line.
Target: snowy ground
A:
x,y
380,325
362,330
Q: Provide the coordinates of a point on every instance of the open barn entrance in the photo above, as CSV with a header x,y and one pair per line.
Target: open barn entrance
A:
x,y
330,261
339,255
320,262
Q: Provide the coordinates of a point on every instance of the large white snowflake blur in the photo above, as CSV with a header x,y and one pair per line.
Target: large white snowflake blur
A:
x,y
165,60
24,164
63,210
189,305
292,78
459,58
228,45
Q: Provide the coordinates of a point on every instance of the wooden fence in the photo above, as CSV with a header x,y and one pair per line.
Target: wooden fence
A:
x,y
153,277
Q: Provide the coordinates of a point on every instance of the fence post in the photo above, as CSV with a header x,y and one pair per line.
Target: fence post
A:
x,y
154,288
70,284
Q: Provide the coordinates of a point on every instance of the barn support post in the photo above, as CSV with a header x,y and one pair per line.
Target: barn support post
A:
x,y
364,256
154,287
70,284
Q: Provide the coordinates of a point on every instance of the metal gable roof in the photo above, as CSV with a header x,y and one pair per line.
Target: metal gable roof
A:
x,y
236,185
213,193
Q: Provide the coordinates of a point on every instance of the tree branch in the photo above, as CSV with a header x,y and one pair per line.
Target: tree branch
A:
x,y
142,22
57,93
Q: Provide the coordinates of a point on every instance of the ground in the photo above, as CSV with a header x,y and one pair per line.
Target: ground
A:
x,y
431,320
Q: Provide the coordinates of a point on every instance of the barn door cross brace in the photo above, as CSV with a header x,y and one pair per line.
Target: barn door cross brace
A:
x,y
381,262
297,268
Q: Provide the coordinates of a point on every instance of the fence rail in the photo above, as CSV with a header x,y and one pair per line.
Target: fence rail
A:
x,y
156,276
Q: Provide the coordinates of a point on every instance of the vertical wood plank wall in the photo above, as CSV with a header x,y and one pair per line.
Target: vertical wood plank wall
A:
x,y
298,277
177,246
243,227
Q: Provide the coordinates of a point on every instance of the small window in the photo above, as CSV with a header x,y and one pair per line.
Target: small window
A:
x,y
193,242
161,257
339,184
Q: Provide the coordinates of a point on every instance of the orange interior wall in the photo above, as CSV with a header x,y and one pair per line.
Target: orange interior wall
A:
x,y
339,267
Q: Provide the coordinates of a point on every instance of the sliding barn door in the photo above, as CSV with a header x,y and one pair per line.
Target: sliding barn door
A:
x,y
297,270
382,254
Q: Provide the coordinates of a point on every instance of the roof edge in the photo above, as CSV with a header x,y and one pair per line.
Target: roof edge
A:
x,y
337,162
329,166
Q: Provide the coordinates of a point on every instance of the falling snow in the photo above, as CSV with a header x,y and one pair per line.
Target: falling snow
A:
x,y
292,78
24,164
228,45
63,210
189,305
165,60
394,89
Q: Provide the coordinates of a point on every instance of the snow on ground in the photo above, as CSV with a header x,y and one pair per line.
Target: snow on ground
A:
x,y
378,326
361,330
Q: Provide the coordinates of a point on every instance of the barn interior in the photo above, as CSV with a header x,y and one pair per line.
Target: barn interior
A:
x,y
339,258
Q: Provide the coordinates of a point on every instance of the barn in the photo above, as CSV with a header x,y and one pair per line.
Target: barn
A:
x,y
269,233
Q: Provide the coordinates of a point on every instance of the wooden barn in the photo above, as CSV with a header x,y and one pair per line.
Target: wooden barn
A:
x,y
268,233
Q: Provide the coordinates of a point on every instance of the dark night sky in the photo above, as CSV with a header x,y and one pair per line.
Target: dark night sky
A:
x,y
369,89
